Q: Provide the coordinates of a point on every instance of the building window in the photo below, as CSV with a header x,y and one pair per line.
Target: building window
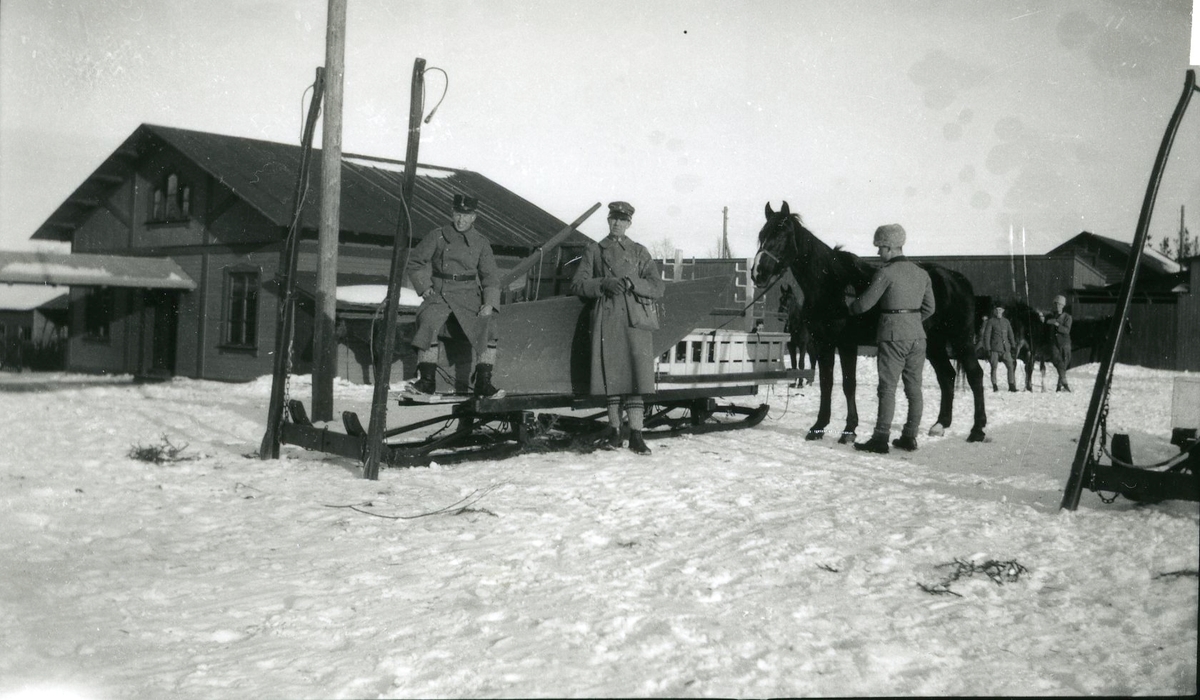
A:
x,y
241,309
98,314
171,202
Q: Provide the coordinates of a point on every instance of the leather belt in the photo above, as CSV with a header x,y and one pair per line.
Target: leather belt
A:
x,y
900,311
456,278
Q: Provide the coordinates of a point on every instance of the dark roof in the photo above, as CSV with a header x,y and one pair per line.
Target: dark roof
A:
x,y
263,174
1151,259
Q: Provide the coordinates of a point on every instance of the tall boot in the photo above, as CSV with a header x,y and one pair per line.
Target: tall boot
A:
x,y
637,444
483,381
426,378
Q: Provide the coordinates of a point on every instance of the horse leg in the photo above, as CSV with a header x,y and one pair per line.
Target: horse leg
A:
x,y
849,357
944,370
975,380
825,374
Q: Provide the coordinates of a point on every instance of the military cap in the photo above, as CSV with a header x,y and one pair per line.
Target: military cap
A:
x,y
621,210
464,204
890,235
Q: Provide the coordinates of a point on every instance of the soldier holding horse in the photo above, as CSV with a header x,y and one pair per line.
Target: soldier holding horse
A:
x,y
823,273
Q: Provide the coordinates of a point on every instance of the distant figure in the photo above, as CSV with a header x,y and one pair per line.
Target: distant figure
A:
x,y
999,342
1058,325
621,282
904,293
453,270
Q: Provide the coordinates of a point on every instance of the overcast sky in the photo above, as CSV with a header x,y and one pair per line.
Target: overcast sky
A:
x,y
956,119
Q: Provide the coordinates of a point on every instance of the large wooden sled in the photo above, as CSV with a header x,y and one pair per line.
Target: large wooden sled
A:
x,y
543,366
1179,477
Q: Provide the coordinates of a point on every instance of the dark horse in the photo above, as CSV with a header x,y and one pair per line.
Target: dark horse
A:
x,y
823,274
791,305
1035,339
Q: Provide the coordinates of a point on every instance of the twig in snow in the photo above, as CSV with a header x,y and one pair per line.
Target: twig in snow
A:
x,y
1000,572
827,567
1176,574
161,453
456,508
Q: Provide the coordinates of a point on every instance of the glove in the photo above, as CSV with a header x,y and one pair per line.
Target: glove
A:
x,y
611,286
485,310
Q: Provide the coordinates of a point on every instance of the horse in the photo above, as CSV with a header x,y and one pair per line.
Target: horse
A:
x,y
824,275
796,326
1035,339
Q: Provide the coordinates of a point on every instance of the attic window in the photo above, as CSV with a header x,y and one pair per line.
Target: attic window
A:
x,y
171,202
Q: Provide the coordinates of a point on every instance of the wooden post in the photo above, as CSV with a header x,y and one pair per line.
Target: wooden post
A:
x,y
536,257
324,340
269,449
391,305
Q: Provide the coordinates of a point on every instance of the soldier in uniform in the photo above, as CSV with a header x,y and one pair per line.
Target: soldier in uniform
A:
x,y
1000,342
453,270
1058,327
619,280
904,293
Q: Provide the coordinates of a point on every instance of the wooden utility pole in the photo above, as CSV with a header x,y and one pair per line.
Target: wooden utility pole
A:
x,y
1182,237
725,253
391,305
324,340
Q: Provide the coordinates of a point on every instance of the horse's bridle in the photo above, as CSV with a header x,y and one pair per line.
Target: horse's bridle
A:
x,y
783,264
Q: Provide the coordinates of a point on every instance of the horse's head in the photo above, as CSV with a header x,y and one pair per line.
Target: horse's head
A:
x,y
786,297
776,245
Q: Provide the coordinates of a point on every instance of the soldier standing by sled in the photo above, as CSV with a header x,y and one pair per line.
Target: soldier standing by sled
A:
x,y
453,270
621,282
1000,342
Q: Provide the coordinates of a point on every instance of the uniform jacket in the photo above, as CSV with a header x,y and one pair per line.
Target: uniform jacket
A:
x,y
448,251
998,335
899,285
622,359
1060,335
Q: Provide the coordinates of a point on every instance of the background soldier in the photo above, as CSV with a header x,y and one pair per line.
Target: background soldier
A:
x,y
620,280
904,293
1058,327
453,270
1000,343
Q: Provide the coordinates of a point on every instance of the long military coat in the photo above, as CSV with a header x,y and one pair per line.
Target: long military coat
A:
x,y
447,251
622,356
1060,336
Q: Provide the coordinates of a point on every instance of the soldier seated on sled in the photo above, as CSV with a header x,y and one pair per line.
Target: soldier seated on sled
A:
x,y
453,270
621,283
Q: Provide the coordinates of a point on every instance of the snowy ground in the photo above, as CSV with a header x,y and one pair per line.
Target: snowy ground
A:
x,y
748,563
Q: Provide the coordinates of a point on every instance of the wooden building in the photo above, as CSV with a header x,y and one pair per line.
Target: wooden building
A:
x,y
33,326
177,236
